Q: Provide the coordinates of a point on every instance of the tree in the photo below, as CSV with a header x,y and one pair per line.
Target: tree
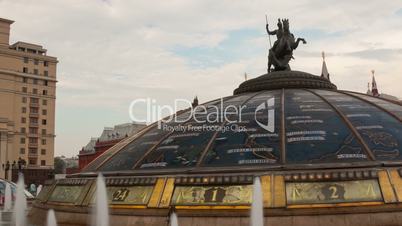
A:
x,y
59,165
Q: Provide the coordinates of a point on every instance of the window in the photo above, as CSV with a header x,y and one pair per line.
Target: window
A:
x,y
23,130
35,71
45,83
24,89
32,161
36,61
35,91
24,100
46,73
25,69
44,112
43,131
44,102
33,151
35,81
34,100
26,60
33,130
33,120
43,141
43,152
34,110
23,120
44,122
33,140
22,151
25,80
24,110
43,162
46,63
22,141
44,92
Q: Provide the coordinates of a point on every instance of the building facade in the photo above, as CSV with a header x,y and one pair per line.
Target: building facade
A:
x,y
109,137
27,105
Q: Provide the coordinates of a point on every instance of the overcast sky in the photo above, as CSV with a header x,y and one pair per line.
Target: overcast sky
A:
x,y
112,52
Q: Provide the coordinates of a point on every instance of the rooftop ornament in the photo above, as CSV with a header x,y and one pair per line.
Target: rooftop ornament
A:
x,y
282,51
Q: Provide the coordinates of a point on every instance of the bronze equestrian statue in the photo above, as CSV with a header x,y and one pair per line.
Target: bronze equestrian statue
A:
x,y
282,51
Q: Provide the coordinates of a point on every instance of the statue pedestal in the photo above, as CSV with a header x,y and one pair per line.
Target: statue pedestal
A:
x,y
285,79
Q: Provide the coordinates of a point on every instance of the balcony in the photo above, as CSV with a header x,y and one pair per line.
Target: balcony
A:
x,y
35,105
32,145
33,124
33,154
34,115
33,135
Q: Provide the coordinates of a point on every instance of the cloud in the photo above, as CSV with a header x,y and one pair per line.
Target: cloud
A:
x,y
114,51
378,54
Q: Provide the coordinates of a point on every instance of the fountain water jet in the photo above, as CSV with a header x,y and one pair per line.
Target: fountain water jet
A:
x,y
257,208
51,218
101,207
173,219
39,189
20,205
8,198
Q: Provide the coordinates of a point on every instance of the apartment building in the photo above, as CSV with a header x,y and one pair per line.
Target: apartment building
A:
x,y
27,105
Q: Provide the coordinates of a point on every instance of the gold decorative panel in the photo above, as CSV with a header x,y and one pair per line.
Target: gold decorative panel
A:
x,y
213,195
66,193
127,195
333,192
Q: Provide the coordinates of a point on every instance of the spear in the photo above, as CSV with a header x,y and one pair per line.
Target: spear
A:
x,y
269,36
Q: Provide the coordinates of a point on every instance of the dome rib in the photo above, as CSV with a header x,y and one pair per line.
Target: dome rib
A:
x,y
95,165
348,124
283,129
374,104
149,151
211,141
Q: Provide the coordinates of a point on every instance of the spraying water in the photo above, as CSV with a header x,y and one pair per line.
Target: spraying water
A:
x,y
20,205
173,219
39,189
51,218
8,198
101,208
257,209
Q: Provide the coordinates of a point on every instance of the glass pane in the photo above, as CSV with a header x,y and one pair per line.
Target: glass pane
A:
x,y
381,131
184,146
315,133
248,139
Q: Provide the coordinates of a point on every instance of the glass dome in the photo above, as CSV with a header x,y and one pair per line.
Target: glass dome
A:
x,y
314,125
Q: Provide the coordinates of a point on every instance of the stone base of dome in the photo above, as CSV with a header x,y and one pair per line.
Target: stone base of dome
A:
x,y
371,216
285,79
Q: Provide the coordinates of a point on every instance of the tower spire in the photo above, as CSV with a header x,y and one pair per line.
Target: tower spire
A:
x,y
324,71
374,89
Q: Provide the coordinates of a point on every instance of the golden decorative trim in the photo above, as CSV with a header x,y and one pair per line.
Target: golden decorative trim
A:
x,y
267,190
386,187
279,197
127,206
167,193
157,193
335,205
396,181
213,207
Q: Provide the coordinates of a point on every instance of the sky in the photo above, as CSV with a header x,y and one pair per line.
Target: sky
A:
x,y
112,52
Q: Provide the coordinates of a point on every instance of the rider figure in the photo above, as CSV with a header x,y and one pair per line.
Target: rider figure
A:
x,y
278,33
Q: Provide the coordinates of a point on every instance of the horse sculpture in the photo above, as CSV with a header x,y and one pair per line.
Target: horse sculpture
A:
x,y
282,51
